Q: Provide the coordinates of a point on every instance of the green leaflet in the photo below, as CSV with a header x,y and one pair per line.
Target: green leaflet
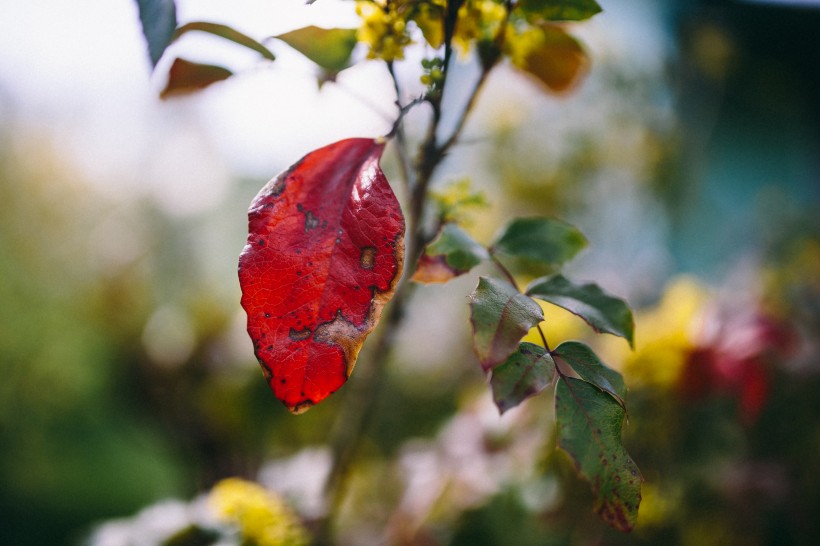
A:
x,y
500,316
330,48
590,368
460,251
559,10
538,243
452,253
589,425
525,373
605,313
224,31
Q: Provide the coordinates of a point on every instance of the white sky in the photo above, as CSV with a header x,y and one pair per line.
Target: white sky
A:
x,y
80,71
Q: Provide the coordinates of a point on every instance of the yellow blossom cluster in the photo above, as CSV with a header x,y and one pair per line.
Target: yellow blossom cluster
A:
x,y
478,21
262,517
384,29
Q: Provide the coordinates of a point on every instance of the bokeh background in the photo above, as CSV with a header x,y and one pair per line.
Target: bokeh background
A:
x,y
690,157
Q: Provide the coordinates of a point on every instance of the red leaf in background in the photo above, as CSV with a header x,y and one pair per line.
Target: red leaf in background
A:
x,y
325,250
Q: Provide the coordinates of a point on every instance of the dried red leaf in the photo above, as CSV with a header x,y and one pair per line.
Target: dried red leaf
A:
x,y
186,77
325,250
433,270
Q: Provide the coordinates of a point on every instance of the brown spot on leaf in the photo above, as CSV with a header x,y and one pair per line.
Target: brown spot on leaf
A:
x,y
343,333
299,335
368,257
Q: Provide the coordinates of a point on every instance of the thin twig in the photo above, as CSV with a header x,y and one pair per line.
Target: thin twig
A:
x,y
447,144
398,130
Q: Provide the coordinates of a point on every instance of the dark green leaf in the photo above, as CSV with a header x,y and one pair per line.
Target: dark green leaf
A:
x,y
224,31
559,10
589,425
330,48
522,375
452,253
603,312
186,77
539,242
589,367
557,60
159,19
500,316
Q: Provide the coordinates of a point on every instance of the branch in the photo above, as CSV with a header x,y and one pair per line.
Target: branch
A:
x,y
359,402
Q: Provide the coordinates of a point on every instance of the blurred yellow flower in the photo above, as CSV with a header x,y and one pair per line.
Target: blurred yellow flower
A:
x,y
664,335
519,44
478,20
383,28
657,506
458,201
262,517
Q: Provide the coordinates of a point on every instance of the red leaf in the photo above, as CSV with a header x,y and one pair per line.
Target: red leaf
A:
x,y
324,253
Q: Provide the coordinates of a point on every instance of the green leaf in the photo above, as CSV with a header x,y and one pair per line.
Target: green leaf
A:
x,y
159,19
556,59
538,243
500,316
559,10
452,253
525,373
589,367
186,77
603,312
224,31
330,48
589,425
460,250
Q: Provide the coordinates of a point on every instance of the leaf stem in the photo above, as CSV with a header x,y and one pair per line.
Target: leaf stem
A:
x,y
504,270
546,345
